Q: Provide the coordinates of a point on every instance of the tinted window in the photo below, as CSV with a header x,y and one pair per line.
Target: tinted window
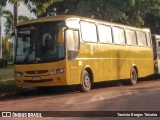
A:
x,y
105,34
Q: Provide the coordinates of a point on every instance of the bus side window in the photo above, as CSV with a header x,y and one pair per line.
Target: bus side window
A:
x,y
105,34
148,39
119,36
131,37
88,32
141,39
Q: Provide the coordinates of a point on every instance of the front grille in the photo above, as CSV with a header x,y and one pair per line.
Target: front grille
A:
x,y
38,81
37,72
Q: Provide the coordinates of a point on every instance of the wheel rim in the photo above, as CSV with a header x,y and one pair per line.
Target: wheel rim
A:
x,y
87,83
134,76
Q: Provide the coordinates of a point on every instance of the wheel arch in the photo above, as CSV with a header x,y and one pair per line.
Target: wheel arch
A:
x,y
90,71
136,68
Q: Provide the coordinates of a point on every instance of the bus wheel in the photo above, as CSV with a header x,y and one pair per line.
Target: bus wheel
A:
x,y
86,82
134,77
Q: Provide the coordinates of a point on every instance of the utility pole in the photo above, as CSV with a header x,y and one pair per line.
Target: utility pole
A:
x,y
15,15
15,9
0,33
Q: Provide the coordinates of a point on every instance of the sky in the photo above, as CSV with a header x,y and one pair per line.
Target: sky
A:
x,y
22,10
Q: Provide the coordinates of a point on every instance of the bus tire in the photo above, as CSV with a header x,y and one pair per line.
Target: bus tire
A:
x,y
85,82
134,76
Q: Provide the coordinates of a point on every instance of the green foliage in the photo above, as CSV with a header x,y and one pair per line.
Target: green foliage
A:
x,y
2,3
23,18
39,7
9,21
137,13
3,63
131,12
15,1
153,22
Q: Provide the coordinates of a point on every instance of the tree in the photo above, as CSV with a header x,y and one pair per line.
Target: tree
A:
x,y
153,22
131,12
23,18
9,28
15,9
152,19
2,4
137,13
9,22
39,7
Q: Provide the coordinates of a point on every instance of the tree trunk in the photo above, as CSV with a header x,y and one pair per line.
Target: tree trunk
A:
x,y
15,15
6,43
0,39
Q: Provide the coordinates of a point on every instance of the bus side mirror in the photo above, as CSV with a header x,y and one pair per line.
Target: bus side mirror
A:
x,y
61,36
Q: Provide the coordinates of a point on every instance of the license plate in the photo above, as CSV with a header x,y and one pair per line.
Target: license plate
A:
x,y
36,78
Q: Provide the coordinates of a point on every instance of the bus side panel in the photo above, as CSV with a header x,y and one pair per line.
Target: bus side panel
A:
x,y
90,57
106,53
146,62
112,62
119,55
74,72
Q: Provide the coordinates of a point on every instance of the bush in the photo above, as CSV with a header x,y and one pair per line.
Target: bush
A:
x,y
3,63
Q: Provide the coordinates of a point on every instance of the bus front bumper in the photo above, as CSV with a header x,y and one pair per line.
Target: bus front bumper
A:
x,y
37,81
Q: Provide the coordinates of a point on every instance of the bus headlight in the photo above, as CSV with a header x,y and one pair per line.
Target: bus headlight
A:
x,y
18,74
57,71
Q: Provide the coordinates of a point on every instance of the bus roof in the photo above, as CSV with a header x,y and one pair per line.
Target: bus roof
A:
x,y
66,17
46,19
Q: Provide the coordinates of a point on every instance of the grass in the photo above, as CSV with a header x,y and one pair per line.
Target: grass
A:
x,y
8,84
6,73
9,88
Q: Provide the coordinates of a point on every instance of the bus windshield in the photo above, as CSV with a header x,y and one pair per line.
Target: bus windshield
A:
x,y
38,43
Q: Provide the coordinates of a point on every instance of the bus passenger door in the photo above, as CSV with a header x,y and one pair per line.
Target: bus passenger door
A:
x,y
72,41
74,73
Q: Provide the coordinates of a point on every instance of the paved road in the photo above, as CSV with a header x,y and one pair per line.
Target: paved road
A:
x,y
142,97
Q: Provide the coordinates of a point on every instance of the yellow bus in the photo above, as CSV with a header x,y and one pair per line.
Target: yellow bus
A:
x,y
74,50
